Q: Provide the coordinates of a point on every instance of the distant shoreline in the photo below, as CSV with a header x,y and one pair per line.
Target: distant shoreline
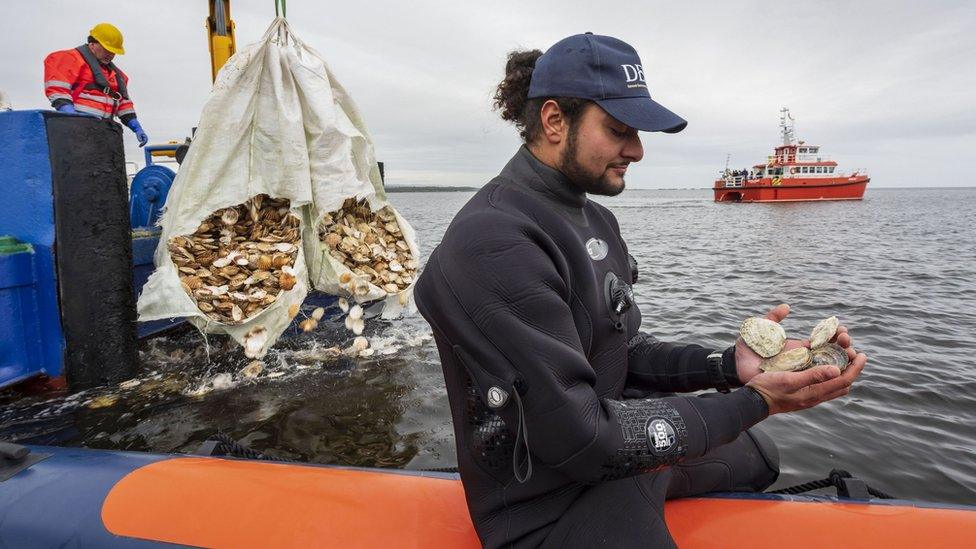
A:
x,y
428,189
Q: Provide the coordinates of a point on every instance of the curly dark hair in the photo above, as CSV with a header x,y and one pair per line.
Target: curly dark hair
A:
x,y
512,97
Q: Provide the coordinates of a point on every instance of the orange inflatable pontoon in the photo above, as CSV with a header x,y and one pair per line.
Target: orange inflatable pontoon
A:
x,y
107,499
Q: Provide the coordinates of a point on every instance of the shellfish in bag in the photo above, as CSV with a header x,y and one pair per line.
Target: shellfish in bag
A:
x,y
381,254
243,192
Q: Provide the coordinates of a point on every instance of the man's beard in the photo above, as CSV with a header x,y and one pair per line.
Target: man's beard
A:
x,y
570,166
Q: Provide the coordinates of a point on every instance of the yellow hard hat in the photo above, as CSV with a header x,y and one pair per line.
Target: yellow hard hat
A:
x,y
109,37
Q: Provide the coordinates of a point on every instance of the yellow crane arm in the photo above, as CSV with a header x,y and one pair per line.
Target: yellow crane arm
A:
x,y
220,35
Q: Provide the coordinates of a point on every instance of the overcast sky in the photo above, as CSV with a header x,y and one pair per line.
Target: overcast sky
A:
x,y
882,85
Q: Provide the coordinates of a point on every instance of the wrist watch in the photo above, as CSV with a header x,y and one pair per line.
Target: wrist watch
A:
x,y
715,372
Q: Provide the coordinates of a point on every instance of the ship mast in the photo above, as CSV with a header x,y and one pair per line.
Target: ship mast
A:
x,y
786,125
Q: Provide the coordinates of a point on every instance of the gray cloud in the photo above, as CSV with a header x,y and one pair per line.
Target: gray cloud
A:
x,y
881,85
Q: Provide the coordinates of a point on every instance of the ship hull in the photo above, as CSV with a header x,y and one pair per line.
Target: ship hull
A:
x,y
793,190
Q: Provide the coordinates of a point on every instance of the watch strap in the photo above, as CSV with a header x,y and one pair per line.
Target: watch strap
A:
x,y
715,372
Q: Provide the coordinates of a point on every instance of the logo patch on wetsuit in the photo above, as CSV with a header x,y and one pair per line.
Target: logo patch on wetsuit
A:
x,y
597,249
661,437
497,397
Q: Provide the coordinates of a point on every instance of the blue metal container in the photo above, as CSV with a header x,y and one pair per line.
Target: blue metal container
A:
x,y
27,214
20,331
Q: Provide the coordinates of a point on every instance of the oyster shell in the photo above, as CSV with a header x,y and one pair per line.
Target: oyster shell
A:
x,y
787,361
763,336
824,332
829,354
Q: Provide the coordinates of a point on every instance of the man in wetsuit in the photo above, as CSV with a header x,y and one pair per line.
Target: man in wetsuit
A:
x,y
529,297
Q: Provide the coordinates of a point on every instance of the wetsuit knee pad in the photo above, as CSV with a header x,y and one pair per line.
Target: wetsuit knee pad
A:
x,y
770,455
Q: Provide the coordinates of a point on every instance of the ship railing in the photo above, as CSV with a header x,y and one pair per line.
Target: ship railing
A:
x,y
734,181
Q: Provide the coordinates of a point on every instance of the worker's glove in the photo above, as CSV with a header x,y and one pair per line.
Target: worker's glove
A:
x,y
140,133
69,108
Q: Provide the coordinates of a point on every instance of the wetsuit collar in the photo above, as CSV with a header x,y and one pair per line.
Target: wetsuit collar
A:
x,y
547,181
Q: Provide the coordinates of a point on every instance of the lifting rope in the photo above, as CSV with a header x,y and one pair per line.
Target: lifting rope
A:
x,y
220,444
284,9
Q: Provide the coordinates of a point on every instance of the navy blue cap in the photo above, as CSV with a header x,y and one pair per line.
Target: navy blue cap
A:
x,y
607,71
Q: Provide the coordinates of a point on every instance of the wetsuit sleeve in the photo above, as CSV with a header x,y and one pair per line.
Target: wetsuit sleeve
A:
x,y
60,73
499,297
659,366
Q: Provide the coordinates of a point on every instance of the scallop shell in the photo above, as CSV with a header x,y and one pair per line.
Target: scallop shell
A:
x,y
370,244
763,336
253,369
829,354
824,332
318,313
229,216
360,343
333,240
235,255
358,325
254,342
788,361
287,281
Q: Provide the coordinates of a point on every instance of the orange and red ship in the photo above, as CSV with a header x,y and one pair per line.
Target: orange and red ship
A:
x,y
794,172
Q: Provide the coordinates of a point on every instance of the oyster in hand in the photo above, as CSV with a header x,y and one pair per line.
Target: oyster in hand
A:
x,y
824,332
793,360
763,336
829,354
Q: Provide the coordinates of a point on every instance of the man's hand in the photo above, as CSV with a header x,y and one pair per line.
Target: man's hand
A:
x,y
69,108
791,391
747,361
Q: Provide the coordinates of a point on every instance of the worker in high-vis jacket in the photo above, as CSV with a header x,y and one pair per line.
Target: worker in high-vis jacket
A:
x,y
84,80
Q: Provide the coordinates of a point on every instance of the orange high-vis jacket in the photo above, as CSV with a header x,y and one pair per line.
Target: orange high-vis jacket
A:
x,y
68,77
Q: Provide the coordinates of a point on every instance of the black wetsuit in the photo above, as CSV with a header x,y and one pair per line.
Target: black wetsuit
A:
x,y
536,364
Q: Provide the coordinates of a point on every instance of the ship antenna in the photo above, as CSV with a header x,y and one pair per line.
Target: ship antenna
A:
x,y
786,125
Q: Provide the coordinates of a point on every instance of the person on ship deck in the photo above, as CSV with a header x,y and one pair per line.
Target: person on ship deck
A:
x,y
568,433
84,80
